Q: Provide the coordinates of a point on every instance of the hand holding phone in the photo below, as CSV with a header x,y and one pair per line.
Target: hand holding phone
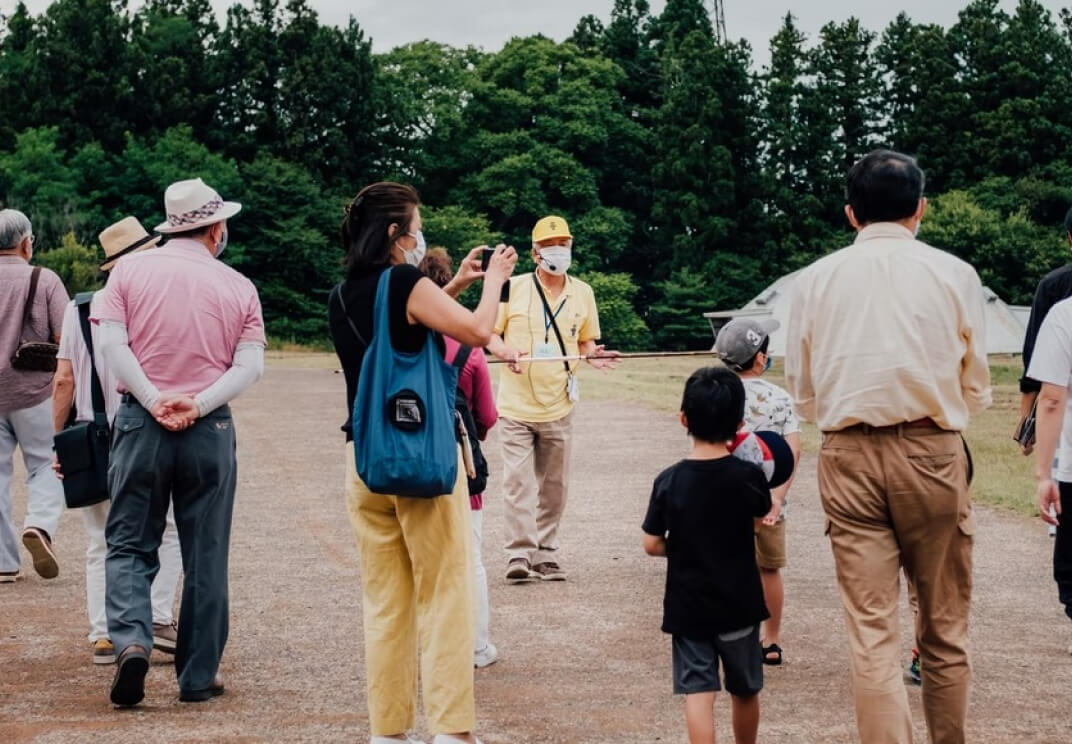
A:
x,y
485,258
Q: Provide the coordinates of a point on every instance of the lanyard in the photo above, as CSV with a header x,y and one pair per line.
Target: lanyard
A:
x,y
548,320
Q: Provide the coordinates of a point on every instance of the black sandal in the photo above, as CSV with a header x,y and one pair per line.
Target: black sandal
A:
x,y
774,648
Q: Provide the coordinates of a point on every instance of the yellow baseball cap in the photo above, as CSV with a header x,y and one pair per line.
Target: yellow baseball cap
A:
x,y
550,227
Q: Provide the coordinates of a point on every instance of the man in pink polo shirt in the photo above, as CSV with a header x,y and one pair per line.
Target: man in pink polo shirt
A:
x,y
182,333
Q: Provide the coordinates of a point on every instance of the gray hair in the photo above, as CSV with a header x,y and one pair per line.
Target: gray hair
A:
x,y
14,227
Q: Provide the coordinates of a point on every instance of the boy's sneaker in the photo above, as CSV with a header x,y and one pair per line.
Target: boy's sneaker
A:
x,y
103,652
519,570
40,546
165,637
913,669
9,577
486,656
549,571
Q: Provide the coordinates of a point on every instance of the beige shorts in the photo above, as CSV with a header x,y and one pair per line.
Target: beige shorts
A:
x,y
770,545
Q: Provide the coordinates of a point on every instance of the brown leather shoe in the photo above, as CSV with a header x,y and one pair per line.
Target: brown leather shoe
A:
x,y
200,696
39,544
549,571
518,570
128,685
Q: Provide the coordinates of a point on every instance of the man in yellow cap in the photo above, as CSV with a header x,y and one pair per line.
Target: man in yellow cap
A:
x,y
543,315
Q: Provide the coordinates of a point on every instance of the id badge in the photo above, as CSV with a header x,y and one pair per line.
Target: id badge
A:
x,y
573,389
544,351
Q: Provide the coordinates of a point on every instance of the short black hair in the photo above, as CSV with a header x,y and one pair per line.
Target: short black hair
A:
x,y
884,186
713,404
1068,221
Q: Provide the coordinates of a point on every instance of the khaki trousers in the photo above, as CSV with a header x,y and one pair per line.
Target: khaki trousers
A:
x,y
893,496
533,506
417,596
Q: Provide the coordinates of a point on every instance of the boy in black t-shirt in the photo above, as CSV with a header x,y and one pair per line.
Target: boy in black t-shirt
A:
x,y
701,518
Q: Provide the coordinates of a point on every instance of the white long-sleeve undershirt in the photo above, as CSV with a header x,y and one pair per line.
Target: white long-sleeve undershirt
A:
x,y
247,366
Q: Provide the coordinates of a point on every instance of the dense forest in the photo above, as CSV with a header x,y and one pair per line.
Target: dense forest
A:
x,y
691,178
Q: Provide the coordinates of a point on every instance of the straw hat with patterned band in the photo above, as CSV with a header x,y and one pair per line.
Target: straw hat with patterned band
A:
x,y
192,204
124,237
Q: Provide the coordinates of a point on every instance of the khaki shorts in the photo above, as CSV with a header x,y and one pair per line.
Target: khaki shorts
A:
x,y
770,545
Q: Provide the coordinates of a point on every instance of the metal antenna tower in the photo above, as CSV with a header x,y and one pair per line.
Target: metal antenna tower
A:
x,y
720,22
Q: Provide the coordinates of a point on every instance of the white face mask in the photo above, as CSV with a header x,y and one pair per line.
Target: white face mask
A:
x,y
556,259
222,244
414,257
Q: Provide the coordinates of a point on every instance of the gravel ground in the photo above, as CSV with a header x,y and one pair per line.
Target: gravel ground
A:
x,y
581,661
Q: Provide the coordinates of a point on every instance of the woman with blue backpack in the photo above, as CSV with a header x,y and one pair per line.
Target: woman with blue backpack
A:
x,y
406,487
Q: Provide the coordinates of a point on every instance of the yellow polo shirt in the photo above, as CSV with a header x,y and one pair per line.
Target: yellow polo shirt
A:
x,y
538,394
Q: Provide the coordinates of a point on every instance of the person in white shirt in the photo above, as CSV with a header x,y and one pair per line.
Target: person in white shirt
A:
x,y
71,387
1051,365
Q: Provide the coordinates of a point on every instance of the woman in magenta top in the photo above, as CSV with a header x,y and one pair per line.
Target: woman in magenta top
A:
x,y
474,381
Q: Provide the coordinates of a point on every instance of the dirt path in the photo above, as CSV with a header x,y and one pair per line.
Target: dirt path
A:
x,y
582,661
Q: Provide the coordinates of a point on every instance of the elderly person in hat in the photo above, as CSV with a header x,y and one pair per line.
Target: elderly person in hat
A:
x,y
544,314
31,309
72,385
182,333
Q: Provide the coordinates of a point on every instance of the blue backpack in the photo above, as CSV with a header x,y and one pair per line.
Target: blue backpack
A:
x,y
403,418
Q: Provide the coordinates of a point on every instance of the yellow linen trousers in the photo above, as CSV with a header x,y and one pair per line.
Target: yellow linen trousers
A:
x,y
417,600
899,496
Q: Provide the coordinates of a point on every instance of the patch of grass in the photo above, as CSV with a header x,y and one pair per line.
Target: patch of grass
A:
x,y
291,345
1003,477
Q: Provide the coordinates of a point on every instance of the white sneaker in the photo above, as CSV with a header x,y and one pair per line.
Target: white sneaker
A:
x,y
392,740
486,656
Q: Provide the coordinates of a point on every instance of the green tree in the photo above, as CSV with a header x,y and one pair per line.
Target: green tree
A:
x,y
677,316
77,265
19,74
619,322
286,242
1009,252
36,180
929,108
422,92
174,83
457,229
84,71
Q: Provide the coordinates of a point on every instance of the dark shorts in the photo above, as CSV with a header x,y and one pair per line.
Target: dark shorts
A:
x,y
696,663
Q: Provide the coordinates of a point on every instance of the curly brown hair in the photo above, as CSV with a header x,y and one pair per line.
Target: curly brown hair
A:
x,y
436,266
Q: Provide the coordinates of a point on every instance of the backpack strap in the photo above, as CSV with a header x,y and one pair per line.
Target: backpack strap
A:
x,y
82,301
337,292
462,356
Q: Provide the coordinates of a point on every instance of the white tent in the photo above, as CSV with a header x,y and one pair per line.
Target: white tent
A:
x,y
1005,324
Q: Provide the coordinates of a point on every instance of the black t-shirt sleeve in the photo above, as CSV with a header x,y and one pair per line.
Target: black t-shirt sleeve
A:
x,y
655,519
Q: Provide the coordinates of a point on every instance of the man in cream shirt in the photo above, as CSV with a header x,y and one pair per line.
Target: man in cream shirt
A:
x,y
886,353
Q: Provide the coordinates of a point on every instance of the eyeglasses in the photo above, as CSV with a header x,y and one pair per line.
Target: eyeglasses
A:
x,y
33,238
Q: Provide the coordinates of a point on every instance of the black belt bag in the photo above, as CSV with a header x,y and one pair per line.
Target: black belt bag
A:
x,y
83,449
33,356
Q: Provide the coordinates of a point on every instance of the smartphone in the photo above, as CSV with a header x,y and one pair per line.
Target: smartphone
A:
x,y
485,258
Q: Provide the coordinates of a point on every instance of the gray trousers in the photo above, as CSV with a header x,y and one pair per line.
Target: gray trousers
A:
x,y
196,468
29,429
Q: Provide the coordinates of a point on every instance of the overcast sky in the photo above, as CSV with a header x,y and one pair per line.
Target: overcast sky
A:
x,y
490,23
